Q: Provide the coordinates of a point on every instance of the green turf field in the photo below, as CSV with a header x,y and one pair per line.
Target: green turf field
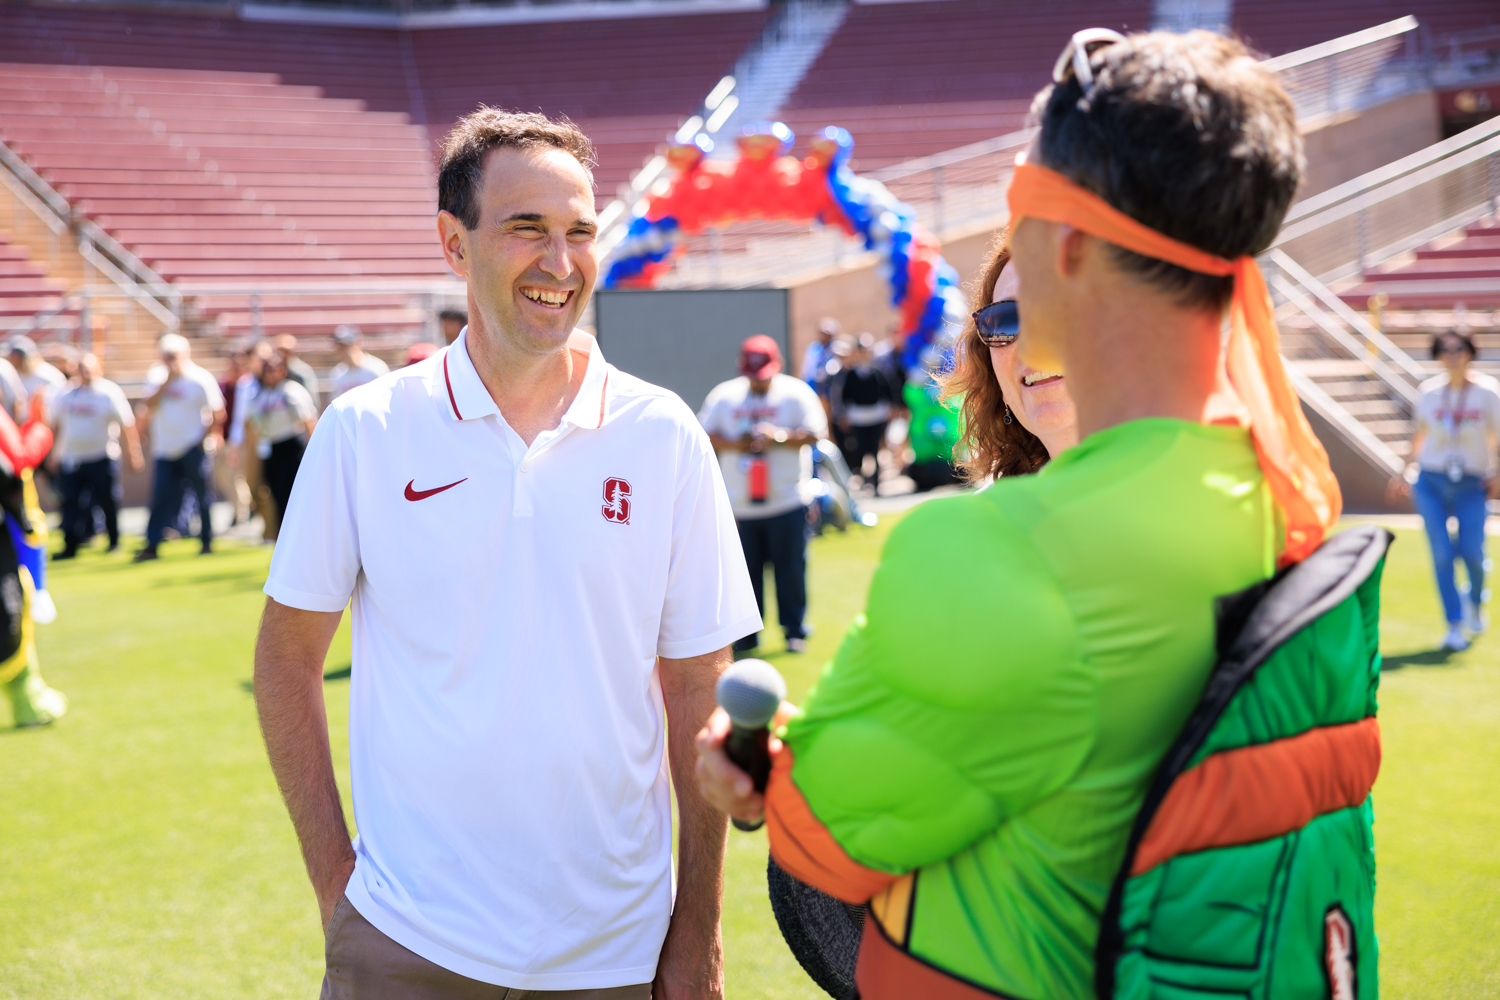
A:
x,y
146,852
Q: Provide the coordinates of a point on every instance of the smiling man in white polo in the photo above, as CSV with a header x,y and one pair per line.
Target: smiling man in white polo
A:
x,y
543,567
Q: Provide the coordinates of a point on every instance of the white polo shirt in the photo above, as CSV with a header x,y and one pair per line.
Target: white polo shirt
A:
x,y
88,419
186,410
346,376
505,714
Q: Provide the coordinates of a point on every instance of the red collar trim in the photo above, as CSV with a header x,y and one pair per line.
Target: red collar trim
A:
x,y
449,383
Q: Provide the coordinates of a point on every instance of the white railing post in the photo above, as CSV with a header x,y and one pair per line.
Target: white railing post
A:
x,y
1494,172
939,220
257,330
86,320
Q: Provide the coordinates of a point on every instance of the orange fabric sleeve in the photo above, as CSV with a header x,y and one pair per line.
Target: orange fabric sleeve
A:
x,y
804,847
1258,394
1255,793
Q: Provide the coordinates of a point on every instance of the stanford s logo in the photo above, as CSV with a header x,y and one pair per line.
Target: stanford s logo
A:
x,y
1338,954
616,501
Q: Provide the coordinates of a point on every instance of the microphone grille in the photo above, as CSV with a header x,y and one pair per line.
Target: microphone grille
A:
x,y
751,691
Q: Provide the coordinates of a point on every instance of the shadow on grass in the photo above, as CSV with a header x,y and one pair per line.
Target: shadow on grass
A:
x,y
13,730
336,674
251,575
1425,658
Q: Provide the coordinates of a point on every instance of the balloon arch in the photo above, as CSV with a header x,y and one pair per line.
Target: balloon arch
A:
x,y
766,183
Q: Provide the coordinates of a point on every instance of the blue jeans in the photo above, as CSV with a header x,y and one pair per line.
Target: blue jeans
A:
x,y
780,540
1437,499
174,477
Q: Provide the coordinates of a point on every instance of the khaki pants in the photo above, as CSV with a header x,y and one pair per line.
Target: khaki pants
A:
x,y
364,964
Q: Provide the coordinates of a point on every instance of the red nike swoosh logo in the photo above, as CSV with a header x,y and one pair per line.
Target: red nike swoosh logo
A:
x,y
412,494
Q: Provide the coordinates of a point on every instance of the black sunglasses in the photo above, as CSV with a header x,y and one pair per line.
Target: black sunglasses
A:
x,y
999,323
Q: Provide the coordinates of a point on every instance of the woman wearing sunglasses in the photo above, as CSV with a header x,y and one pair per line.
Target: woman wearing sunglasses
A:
x,y
1451,473
1014,417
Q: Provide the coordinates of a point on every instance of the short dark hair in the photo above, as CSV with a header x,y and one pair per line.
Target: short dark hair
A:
x,y
457,314
1187,134
473,136
1462,338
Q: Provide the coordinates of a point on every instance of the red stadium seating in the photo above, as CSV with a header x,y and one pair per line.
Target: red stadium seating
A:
x,y
1278,26
234,180
227,151
629,82
1447,271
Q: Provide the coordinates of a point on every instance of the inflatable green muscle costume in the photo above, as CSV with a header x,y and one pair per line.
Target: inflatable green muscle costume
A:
x,y
1029,764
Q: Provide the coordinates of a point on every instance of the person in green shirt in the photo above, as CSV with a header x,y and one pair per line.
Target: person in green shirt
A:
x,y
971,761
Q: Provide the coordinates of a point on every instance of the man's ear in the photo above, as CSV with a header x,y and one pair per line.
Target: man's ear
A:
x,y
1072,247
455,240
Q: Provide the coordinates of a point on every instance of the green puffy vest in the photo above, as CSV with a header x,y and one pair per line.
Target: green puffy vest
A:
x,y
1283,916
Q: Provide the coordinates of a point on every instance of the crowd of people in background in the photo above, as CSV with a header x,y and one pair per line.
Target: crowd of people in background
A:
x,y
239,437
860,381
236,437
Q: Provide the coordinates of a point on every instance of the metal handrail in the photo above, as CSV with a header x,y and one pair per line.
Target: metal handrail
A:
x,y
1437,153
1389,190
1355,432
38,208
947,158
438,287
1383,344
167,317
126,268
1342,337
1337,46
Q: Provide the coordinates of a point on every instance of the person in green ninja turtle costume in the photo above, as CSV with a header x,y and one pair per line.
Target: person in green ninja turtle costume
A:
x,y
971,763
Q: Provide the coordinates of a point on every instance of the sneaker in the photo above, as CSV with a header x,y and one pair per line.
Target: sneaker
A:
x,y
65,554
1475,620
146,554
796,644
207,550
1454,641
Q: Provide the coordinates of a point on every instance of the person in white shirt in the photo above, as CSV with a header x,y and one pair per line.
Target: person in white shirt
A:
x,y
37,376
184,404
88,420
763,426
543,570
1452,473
13,395
355,367
283,414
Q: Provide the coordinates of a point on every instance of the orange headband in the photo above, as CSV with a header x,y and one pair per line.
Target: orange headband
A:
x,y
1291,457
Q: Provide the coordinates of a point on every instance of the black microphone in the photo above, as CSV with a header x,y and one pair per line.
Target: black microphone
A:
x,y
751,691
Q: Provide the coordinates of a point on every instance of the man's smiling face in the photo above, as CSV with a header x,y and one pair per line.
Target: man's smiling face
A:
x,y
532,261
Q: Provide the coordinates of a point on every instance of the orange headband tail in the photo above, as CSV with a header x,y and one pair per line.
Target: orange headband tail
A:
x,y
1291,457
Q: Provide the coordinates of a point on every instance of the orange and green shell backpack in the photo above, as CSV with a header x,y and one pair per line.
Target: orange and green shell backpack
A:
x,y
1250,871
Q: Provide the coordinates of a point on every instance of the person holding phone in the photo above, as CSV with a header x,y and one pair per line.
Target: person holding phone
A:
x,y
762,426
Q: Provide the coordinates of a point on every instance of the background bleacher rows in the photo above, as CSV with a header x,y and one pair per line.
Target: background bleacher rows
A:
x,y
228,154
